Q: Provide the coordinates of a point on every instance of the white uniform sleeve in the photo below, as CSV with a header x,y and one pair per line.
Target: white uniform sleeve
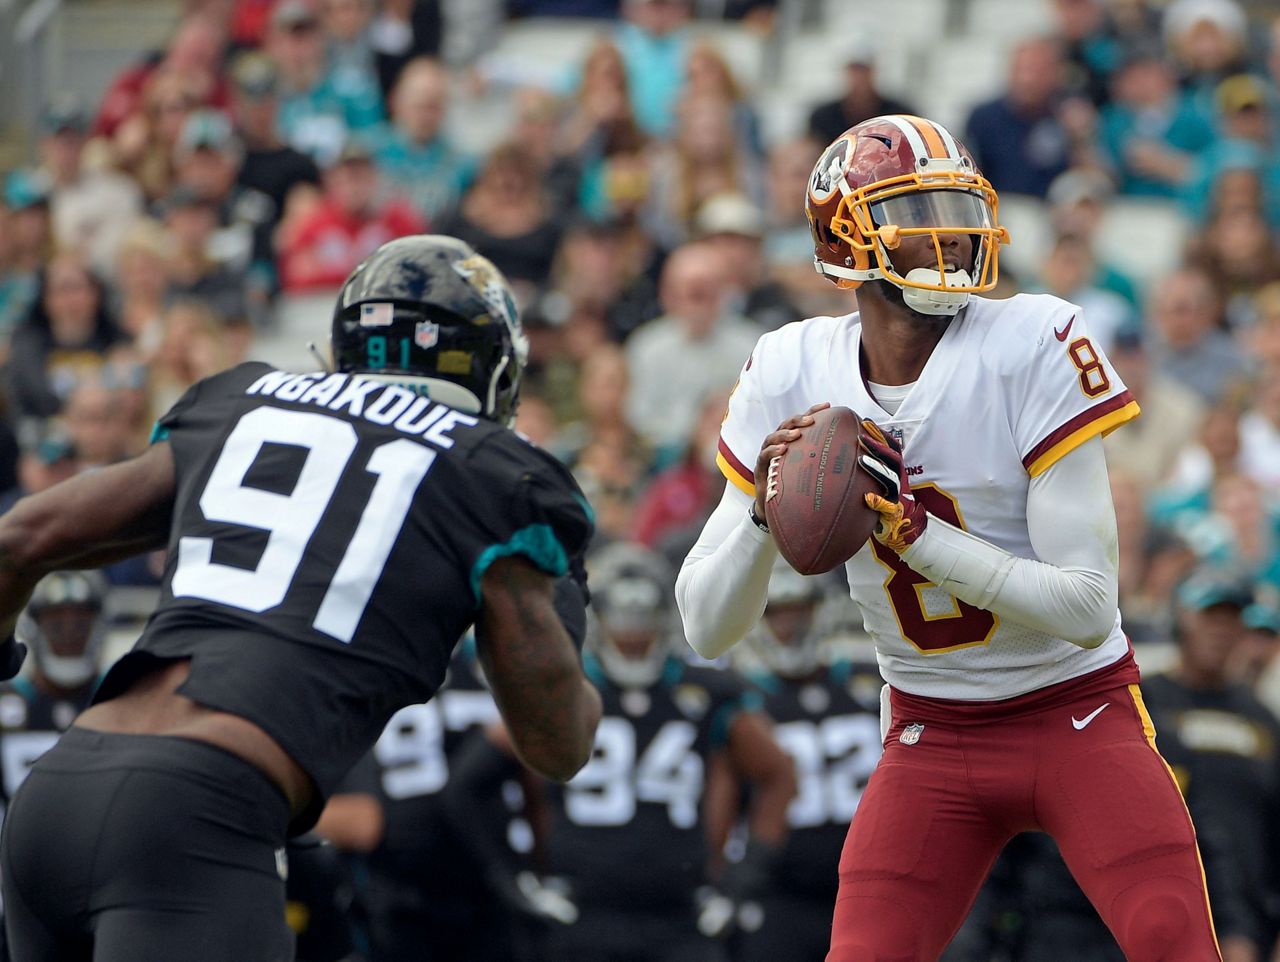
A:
x,y
1068,391
723,582
1071,593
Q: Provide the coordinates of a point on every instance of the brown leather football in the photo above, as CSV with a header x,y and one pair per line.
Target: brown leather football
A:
x,y
813,503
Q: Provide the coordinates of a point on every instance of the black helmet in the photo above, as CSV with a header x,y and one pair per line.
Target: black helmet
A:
x,y
428,309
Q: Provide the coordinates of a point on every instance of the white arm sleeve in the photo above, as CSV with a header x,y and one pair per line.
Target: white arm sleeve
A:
x,y
723,582
1071,593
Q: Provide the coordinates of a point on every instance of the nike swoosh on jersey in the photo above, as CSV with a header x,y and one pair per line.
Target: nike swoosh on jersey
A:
x,y
1062,334
1079,723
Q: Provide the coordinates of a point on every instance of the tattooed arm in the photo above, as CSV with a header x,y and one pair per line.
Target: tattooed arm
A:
x,y
91,520
549,706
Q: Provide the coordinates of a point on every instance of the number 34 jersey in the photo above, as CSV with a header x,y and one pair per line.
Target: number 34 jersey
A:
x,y
1012,387
328,540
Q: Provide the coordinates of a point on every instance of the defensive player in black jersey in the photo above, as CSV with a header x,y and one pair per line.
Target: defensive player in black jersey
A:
x,y
330,538
827,718
64,626
640,829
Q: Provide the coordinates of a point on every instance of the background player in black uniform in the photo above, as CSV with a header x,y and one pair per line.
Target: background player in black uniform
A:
x,y
64,626
430,897
827,718
637,829
331,537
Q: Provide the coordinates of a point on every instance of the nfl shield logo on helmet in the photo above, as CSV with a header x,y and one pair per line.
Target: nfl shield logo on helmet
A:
x,y
426,334
911,734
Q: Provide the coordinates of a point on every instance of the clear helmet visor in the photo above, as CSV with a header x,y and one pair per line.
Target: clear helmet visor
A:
x,y
934,210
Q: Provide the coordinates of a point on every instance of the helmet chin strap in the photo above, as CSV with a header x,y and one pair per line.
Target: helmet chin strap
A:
x,y
935,303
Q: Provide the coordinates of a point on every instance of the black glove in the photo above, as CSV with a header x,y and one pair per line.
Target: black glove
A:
x,y
12,655
571,606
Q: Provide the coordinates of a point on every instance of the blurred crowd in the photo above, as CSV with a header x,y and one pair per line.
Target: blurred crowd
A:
x,y
652,231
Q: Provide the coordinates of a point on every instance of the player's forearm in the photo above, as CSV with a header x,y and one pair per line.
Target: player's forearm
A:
x,y
1070,589
1076,604
723,582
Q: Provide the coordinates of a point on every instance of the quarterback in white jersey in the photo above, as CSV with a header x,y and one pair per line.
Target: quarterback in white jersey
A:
x,y
990,585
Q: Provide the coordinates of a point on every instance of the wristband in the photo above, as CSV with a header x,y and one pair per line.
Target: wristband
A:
x,y
756,519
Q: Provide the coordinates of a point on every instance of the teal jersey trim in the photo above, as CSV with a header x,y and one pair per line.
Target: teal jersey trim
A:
x,y
158,433
586,506
723,719
537,542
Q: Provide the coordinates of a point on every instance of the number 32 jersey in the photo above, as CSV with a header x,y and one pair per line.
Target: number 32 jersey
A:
x,y
1012,387
327,545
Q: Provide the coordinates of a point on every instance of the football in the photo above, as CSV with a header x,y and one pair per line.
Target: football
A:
x,y
813,503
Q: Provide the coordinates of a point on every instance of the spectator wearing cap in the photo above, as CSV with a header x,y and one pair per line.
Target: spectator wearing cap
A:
x,y
1151,132
413,152
317,116
1172,415
1208,41
861,99
92,208
347,224
207,159
63,340
1021,139
1247,146
191,220
1223,746
269,164
1077,200
26,240
695,348
734,227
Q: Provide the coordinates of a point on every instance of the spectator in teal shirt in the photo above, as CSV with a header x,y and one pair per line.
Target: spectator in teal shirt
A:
x,y
415,157
319,107
1247,144
655,47
1152,133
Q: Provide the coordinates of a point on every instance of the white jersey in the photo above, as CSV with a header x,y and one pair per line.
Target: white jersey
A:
x,y
1012,386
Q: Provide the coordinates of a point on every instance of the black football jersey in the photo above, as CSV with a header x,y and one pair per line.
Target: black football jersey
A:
x,y
31,721
627,830
328,541
830,726
412,755
1224,749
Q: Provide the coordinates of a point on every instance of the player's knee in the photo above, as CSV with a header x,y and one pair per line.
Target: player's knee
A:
x,y
1164,926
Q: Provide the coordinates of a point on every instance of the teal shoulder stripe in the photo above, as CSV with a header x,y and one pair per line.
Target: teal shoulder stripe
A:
x,y
158,433
731,709
586,506
537,542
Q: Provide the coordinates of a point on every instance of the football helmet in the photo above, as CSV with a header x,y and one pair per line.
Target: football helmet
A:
x,y
792,600
429,313
64,626
632,608
900,176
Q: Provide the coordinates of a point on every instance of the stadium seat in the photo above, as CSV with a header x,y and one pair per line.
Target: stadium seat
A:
x,y
1030,235
1144,238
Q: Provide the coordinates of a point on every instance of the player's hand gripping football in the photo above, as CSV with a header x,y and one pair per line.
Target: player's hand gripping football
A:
x,y
902,517
775,446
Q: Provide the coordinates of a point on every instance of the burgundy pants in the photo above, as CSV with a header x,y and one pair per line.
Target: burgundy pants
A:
x,y
947,797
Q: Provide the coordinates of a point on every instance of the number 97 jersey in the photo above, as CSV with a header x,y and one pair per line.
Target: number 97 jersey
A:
x,y
1013,386
328,541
